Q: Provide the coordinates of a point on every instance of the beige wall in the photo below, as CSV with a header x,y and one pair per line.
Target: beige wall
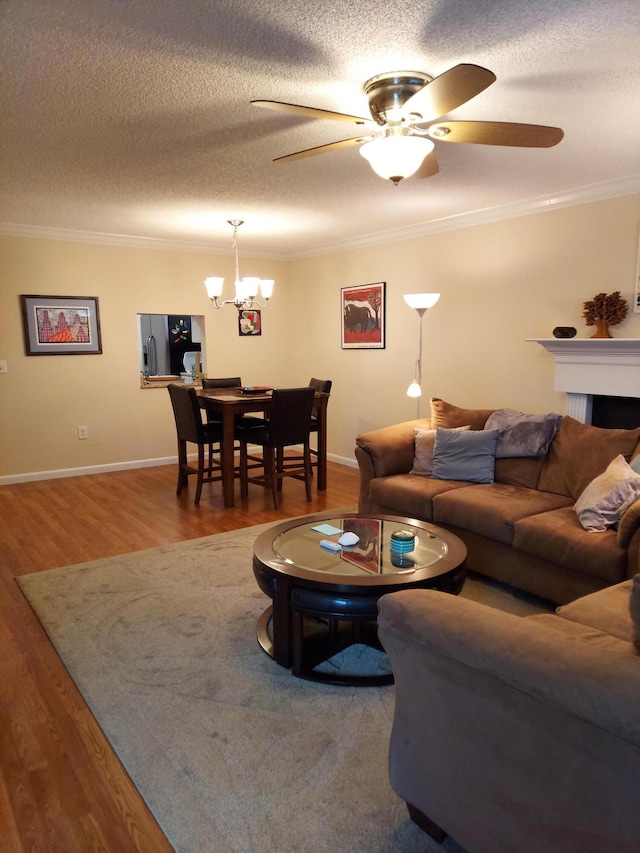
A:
x,y
501,283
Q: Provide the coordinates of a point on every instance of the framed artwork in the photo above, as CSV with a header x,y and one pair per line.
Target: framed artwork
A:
x,y
363,316
61,325
249,322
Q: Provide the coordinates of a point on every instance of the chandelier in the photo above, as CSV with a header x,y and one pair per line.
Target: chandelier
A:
x,y
246,289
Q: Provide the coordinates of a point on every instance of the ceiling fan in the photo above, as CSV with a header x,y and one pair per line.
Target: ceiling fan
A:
x,y
406,106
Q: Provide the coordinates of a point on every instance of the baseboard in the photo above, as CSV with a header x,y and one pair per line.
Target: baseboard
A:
x,y
33,476
59,473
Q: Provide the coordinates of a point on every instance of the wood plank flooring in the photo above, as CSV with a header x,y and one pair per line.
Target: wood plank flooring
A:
x,y
62,788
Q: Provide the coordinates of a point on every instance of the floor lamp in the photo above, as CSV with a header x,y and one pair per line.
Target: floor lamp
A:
x,y
421,302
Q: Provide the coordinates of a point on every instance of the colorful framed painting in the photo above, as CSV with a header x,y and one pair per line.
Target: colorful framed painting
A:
x,y
363,316
249,323
61,325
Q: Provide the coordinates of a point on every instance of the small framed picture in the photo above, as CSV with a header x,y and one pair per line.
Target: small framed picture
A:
x,y
61,325
363,316
249,322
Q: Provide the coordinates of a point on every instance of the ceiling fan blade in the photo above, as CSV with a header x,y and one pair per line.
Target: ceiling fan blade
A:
x,y
311,112
429,167
497,133
449,90
321,149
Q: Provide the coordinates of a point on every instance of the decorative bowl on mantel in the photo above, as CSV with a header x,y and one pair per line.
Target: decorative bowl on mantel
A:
x,y
564,332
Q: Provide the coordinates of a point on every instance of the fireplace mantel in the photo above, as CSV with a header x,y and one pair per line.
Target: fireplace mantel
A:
x,y
588,366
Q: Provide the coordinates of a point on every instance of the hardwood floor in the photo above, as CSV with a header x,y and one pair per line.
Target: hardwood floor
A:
x,y
62,788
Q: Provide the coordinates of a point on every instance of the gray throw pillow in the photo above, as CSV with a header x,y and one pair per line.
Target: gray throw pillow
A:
x,y
468,456
425,440
523,435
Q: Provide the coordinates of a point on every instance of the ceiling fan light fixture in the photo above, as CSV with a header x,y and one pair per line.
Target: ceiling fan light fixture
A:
x,y
396,156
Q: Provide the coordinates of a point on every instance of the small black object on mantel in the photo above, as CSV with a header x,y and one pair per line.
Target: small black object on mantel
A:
x,y
564,332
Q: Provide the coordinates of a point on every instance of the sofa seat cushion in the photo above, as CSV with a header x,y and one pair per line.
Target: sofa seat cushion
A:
x,y
558,536
573,631
491,510
409,495
607,611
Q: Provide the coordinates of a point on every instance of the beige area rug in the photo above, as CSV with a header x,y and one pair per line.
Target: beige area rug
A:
x,y
231,753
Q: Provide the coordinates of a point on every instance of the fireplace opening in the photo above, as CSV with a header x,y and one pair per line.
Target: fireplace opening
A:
x,y
615,412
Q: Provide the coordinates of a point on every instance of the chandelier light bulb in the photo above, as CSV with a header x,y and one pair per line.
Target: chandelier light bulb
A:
x,y
414,390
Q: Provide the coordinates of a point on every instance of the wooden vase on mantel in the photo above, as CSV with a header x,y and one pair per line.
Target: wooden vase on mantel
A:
x,y
602,329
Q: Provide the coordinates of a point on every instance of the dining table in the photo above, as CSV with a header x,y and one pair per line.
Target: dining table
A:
x,y
226,403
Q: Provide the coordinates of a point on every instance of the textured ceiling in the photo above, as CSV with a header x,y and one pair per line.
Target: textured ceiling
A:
x,y
132,117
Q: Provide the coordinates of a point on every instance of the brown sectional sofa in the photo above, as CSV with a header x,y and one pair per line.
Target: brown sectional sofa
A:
x,y
518,735
522,528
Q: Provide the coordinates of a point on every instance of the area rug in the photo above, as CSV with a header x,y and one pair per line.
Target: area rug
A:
x,y
230,752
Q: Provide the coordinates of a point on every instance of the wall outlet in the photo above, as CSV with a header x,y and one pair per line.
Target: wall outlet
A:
x,y
83,432
3,367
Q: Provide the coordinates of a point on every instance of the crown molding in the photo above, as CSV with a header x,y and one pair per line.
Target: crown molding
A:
x,y
579,195
10,229
568,198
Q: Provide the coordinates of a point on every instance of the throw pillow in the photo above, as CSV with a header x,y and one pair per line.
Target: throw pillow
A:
x,y
605,500
425,440
522,435
635,611
468,456
446,416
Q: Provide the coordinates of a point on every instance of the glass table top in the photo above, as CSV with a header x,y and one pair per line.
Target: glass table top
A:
x,y
371,555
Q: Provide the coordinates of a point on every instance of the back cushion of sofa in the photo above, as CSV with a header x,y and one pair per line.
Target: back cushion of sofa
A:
x,y
446,416
519,471
579,453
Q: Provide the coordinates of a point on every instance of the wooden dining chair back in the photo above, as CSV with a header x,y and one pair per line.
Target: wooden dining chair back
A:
x,y
228,382
289,424
324,387
191,430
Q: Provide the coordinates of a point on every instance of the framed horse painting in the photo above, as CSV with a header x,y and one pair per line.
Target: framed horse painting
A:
x,y
363,316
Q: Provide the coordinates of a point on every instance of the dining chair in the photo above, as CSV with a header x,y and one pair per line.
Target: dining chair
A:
x,y
191,430
324,386
289,424
214,417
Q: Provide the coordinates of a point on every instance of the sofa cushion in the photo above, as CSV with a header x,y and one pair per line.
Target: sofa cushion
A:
x,y
572,631
424,440
491,510
519,471
447,416
607,610
468,456
606,499
521,434
579,452
408,495
558,536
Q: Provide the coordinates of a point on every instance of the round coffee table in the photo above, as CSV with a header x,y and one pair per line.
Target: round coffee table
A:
x,y
324,601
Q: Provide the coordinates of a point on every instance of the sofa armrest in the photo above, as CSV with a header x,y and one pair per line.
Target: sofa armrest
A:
x,y
384,452
391,449
629,523
579,678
